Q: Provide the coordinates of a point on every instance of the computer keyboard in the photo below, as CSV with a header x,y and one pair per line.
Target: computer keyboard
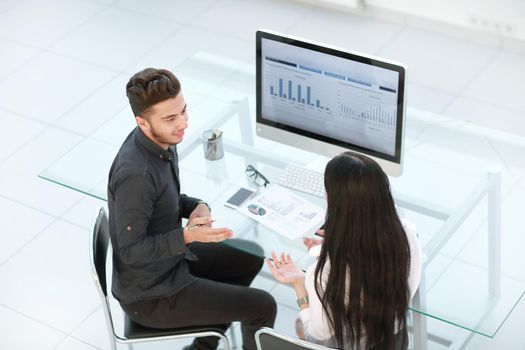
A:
x,y
304,180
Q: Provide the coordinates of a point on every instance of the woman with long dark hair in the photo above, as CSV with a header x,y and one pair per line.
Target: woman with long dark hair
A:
x,y
356,296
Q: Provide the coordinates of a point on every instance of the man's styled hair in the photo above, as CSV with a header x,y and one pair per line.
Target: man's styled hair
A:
x,y
149,87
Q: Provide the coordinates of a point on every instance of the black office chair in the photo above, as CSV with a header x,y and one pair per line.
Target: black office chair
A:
x,y
133,332
268,339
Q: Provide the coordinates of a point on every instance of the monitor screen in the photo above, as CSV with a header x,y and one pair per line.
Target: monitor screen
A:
x,y
327,100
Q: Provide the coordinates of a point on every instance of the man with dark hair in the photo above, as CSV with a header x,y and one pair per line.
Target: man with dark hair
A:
x,y
165,275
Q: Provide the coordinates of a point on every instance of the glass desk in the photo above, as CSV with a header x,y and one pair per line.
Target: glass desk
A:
x,y
446,189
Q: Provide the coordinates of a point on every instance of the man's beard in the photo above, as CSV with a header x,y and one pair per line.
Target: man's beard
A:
x,y
159,138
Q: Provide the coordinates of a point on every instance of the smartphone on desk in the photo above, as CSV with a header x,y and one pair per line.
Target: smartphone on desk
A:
x,y
238,198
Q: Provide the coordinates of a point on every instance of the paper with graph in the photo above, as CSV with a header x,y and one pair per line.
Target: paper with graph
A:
x,y
284,212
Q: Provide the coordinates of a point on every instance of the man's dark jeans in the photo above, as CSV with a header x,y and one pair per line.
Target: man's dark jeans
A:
x,y
220,295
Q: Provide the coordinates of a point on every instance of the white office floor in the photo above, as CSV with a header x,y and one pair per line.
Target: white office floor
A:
x,y
63,67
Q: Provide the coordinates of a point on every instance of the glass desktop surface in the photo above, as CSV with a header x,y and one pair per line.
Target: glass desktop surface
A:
x,y
446,161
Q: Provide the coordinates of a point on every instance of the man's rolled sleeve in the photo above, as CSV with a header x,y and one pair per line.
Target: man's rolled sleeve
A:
x,y
133,243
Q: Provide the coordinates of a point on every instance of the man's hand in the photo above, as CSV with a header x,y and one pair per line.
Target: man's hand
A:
x,y
200,211
204,232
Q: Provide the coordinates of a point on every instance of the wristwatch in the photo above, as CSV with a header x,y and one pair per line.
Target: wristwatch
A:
x,y
303,300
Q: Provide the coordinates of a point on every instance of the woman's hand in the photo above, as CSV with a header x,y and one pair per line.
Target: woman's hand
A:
x,y
284,269
311,242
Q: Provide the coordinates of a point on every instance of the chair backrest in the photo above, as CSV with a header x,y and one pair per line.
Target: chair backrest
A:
x,y
99,249
268,339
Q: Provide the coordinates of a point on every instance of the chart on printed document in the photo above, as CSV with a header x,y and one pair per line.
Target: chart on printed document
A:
x,y
283,212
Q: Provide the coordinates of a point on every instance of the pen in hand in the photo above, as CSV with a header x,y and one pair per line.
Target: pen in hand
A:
x,y
197,225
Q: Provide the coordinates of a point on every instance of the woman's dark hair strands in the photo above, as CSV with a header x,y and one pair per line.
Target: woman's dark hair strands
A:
x,y
367,289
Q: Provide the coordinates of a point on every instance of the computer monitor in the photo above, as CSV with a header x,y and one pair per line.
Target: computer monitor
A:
x,y
328,100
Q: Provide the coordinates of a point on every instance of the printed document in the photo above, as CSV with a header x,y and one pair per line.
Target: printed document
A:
x,y
284,212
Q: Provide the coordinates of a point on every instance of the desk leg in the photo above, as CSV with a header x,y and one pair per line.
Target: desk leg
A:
x,y
245,124
419,329
494,232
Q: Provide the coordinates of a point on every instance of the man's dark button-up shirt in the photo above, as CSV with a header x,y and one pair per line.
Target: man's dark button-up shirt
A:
x,y
145,219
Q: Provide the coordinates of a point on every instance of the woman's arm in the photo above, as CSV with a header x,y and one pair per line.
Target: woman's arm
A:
x,y
312,313
314,317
